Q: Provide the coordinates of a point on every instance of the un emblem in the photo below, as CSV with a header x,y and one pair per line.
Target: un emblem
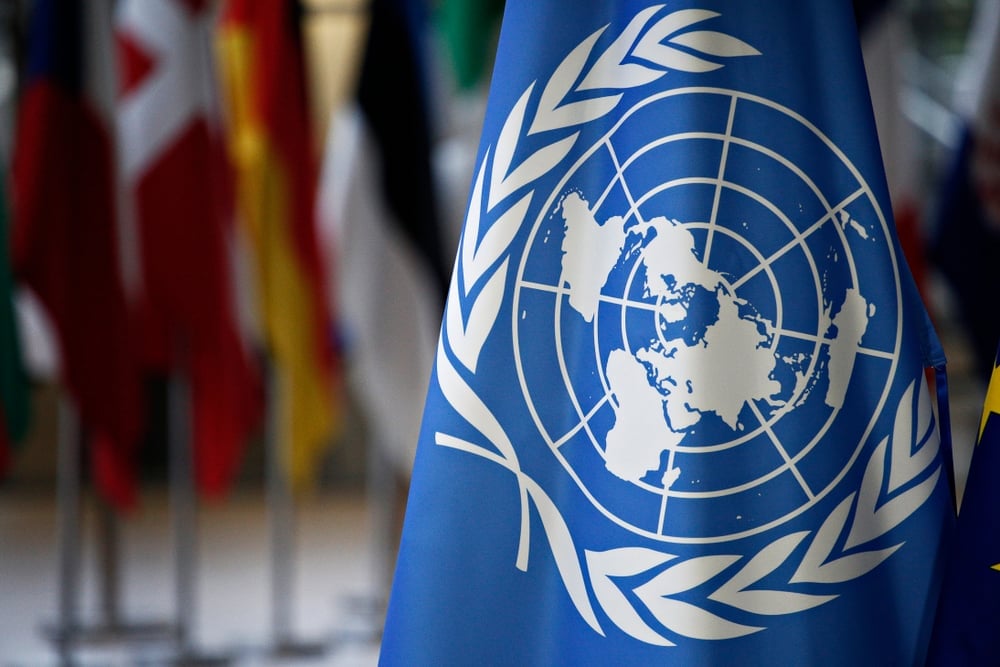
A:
x,y
720,354
694,290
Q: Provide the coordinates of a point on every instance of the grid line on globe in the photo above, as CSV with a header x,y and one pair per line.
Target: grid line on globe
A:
x,y
671,282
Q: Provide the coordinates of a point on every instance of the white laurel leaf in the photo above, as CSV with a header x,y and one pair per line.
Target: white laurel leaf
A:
x,y
694,622
853,566
714,43
776,603
611,70
470,230
625,561
510,135
536,165
869,522
561,83
809,569
674,21
907,460
467,342
454,325
685,575
767,602
579,113
815,566
563,551
467,403
496,241
671,58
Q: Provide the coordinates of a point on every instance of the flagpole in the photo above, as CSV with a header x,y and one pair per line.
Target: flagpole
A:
x,y
281,513
185,521
69,630
381,500
69,518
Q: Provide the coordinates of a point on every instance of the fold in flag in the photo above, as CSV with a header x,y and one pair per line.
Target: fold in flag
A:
x,y
678,413
179,193
262,62
965,631
67,235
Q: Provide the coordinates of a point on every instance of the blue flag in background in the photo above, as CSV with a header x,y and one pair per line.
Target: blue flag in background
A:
x,y
678,413
965,632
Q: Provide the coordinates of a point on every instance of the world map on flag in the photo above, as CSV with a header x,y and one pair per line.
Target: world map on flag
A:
x,y
707,321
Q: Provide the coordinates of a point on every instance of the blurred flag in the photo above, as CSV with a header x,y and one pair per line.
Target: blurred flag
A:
x,y
966,246
965,631
179,191
67,236
678,412
13,384
885,40
470,28
261,53
381,215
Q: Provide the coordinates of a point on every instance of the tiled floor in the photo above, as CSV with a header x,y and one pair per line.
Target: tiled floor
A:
x,y
334,593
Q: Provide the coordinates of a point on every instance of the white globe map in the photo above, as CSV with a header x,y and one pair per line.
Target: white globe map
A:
x,y
663,389
690,311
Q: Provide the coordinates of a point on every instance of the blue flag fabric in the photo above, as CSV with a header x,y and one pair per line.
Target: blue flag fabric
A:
x,y
678,413
965,632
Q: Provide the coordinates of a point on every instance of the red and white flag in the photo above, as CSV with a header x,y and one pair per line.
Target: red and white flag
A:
x,y
179,193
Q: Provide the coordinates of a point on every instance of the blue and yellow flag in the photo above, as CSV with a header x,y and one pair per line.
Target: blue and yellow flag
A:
x,y
965,632
678,413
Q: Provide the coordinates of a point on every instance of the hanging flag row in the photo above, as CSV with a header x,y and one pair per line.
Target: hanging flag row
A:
x,y
137,182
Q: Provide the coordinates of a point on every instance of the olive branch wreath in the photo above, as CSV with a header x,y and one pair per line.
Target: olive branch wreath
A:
x,y
827,556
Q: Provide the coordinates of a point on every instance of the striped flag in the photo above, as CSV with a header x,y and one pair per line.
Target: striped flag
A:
x,y
271,146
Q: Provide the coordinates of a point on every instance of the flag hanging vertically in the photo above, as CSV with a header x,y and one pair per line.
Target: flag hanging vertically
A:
x,y
271,146
965,631
469,28
13,384
678,413
966,242
179,192
67,235
380,213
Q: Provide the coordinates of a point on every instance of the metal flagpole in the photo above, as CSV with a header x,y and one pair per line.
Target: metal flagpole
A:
x,y
281,515
69,516
69,630
185,522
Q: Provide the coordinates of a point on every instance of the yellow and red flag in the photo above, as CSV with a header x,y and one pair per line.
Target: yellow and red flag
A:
x,y
264,77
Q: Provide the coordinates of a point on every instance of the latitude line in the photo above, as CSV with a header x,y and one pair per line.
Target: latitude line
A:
x,y
718,181
620,175
781,450
800,237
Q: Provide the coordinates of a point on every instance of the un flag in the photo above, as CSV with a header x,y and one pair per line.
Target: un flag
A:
x,y
678,413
